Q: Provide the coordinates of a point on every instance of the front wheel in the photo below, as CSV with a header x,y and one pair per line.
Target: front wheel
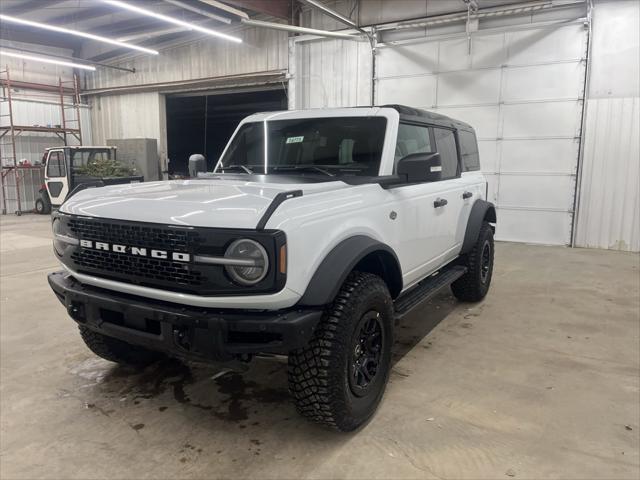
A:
x,y
474,285
339,378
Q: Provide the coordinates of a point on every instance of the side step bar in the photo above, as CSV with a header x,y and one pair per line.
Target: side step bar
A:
x,y
427,288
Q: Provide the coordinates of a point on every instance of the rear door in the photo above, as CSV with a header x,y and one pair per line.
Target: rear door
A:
x,y
56,178
475,184
428,213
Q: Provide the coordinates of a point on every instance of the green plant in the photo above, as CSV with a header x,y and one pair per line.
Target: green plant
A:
x,y
100,167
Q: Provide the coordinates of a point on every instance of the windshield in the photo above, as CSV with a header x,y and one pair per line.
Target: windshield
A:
x,y
324,146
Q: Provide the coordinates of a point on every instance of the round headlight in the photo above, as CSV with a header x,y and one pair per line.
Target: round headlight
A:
x,y
58,245
61,239
248,261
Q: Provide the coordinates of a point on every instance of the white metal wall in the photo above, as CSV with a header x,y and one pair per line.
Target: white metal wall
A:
x,y
609,208
329,73
522,90
262,50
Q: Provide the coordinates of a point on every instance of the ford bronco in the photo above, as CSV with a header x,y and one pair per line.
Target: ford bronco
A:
x,y
314,233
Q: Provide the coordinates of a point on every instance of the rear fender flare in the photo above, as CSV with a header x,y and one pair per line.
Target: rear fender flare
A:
x,y
480,212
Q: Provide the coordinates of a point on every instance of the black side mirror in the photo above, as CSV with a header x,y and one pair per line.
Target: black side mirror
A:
x,y
420,167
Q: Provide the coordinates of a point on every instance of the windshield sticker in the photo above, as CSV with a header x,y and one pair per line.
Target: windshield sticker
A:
x,y
295,139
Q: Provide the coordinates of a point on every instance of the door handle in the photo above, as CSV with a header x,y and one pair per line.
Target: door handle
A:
x,y
466,195
440,202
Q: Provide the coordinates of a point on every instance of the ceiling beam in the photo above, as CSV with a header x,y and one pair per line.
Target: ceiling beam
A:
x,y
96,11
199,11
17,8
333,14
301,30
225,8
159,32
25,35
273,8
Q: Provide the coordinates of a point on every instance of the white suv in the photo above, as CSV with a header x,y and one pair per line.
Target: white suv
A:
x,y
314,232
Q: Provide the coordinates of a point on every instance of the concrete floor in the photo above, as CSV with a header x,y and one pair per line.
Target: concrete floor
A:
x,y
541,380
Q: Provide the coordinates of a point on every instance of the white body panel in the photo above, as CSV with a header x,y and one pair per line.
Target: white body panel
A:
x,y
404,218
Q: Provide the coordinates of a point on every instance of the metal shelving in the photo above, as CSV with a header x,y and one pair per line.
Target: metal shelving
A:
x,y
69,127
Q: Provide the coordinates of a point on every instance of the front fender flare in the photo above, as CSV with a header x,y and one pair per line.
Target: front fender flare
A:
x,y
336,266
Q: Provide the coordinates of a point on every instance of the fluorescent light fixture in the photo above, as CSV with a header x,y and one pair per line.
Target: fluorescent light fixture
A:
x,y
175,21
90,36
47,60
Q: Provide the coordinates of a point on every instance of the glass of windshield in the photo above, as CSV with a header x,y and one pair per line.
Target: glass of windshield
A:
x,y
323,146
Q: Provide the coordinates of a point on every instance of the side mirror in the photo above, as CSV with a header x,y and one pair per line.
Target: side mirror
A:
x,y
197,164
420,167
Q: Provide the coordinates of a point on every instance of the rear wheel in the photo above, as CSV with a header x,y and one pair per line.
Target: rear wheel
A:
x,y
474,285
116,350
339,378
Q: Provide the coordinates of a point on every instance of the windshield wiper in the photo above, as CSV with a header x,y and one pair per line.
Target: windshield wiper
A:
x,y
237,167
311,168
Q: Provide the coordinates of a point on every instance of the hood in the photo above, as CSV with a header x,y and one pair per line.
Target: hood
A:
x,y
201,202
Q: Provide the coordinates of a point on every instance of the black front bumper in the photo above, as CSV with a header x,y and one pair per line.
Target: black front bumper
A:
x,y
183,331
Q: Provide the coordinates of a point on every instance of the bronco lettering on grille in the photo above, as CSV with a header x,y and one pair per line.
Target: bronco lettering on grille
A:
x,y
136,251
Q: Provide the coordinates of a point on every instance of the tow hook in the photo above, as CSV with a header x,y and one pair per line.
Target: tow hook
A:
x,y
182,338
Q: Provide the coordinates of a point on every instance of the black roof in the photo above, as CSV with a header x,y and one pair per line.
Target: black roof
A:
x,y
418,115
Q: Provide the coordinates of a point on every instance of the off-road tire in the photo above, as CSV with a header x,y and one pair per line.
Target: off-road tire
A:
x,y
41,207
320,374
474,285
116,350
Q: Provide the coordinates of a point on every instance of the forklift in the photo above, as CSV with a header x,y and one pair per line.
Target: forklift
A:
x,y
65,174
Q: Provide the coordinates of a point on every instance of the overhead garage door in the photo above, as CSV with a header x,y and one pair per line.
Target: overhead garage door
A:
x,y
523,92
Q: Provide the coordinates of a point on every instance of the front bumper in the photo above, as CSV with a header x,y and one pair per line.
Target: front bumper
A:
x,y
182,331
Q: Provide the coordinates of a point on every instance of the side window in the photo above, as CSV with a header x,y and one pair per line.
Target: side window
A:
x,y
55,165
446,146
412,139
469,151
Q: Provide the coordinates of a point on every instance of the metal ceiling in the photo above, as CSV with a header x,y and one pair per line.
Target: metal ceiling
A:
x,y
100,18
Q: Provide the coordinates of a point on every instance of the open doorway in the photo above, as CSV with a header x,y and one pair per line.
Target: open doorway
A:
x,y
203,123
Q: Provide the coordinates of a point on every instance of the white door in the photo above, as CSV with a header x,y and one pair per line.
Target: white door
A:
x,y
522,90
428,213
56,177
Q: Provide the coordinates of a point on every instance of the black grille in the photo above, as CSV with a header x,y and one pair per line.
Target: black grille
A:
x,y
142,267
166,274
163,238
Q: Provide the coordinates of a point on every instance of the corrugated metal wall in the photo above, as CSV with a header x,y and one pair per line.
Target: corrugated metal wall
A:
x,y
30,145
36,108
262,50
134,115
330,73
142,115
32,107
609,207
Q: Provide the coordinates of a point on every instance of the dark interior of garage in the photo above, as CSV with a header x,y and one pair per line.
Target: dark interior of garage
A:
x,y
204,123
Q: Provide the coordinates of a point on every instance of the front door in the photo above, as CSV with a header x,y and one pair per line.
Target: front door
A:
x,y
55,177
429,212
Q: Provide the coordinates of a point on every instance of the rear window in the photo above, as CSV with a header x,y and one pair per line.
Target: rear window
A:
x,y
469,151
